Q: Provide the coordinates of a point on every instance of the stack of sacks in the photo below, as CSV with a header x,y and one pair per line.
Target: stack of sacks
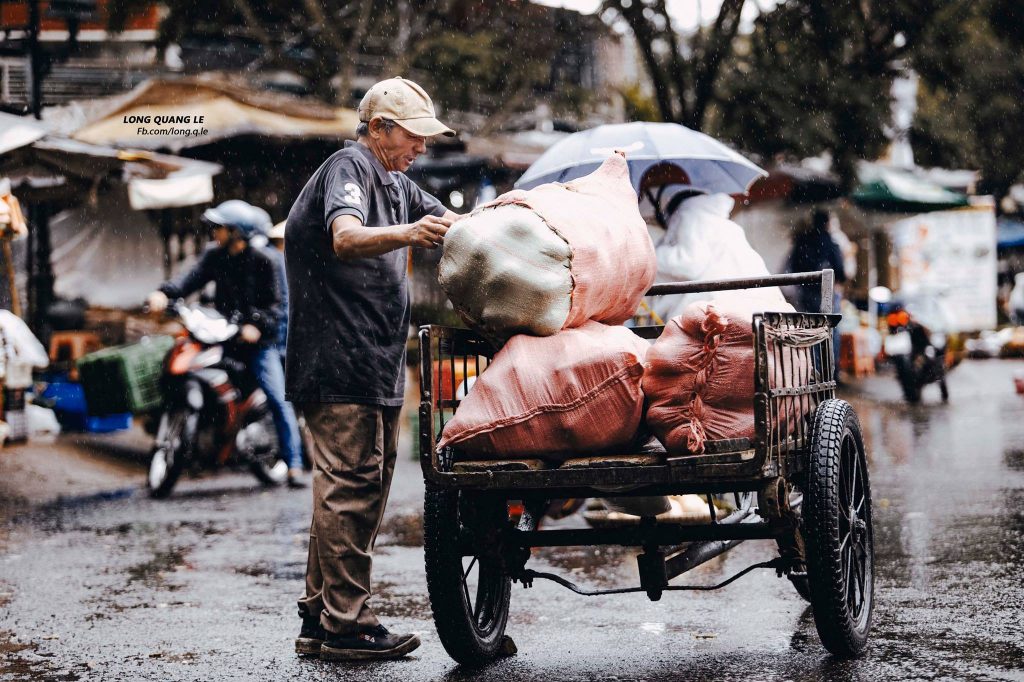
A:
x,y
554,396
542,270
551,258
699,381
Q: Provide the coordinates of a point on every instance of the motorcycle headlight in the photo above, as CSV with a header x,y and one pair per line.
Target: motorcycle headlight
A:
x,y
938,340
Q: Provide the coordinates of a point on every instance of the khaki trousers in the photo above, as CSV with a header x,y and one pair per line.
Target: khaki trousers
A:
x,y
354,451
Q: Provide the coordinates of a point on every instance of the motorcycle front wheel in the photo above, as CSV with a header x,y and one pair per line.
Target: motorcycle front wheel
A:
x,y
170,452
257,442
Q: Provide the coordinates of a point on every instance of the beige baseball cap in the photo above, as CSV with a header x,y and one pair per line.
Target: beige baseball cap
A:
x,y
405,103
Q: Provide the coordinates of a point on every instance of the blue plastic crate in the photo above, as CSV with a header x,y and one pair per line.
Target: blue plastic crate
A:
x,y
108,422
68,398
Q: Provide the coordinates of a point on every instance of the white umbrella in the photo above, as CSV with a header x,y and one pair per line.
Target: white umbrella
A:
x,y
709,165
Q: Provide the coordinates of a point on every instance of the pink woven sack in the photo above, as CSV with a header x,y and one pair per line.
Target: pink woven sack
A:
x,y
554,396
699,379
550,258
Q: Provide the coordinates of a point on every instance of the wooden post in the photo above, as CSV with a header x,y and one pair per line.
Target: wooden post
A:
x,y
12,283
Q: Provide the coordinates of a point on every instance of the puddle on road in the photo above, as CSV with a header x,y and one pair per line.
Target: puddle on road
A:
x,y
1014,459
153,572
405,530
388,602
22,661
291,571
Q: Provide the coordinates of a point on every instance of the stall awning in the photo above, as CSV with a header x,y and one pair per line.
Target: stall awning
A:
x,y
890,189
153,180
189,112
18,131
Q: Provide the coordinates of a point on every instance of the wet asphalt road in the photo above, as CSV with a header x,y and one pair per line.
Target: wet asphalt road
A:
x,y
202,586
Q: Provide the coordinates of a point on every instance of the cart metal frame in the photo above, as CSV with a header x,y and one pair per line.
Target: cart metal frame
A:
x,y
793,377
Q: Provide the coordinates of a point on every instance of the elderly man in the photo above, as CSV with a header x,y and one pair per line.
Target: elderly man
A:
x,y
349,304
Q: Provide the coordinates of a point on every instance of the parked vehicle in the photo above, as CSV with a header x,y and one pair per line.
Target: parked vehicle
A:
x,y
806,467
213,412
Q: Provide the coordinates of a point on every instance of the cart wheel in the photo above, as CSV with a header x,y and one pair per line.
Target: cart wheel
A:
x,y
467,582
837,531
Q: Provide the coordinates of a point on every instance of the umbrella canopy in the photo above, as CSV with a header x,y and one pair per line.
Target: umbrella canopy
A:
x,y
708,164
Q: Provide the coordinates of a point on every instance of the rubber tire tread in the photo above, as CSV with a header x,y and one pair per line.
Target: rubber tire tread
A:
x,y
908,381
257,468
173,474
821,518
170,480
443,566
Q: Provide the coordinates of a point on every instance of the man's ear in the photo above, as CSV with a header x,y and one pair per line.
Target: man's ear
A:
x,y
374,126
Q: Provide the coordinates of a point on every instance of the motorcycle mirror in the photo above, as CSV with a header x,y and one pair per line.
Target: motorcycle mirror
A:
x,y
880,294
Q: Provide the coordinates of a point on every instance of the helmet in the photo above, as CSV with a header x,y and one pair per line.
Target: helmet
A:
x,y
262,219
237,214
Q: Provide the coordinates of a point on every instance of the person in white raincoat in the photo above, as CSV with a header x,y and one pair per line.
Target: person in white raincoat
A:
x,y
701,243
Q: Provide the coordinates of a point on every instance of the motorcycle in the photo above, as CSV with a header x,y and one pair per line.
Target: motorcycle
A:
x,y
918,354
214,414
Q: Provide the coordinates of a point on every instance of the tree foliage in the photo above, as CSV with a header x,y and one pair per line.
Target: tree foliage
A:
x,y
474,54
817,77
811,77
972,79
683,69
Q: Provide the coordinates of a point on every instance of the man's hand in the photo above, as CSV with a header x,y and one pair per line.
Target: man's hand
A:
x,y
428,232
157,302
250,334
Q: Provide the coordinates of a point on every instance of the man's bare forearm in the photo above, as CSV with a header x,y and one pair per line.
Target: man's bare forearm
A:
x,y
353,240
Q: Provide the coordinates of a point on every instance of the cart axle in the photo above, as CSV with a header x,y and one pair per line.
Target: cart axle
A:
x,y
527,577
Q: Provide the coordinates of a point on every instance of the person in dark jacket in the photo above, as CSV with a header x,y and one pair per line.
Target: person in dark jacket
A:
x,y
246,286
815,249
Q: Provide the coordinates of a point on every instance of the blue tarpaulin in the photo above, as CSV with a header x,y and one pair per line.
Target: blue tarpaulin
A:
x,y
1009,233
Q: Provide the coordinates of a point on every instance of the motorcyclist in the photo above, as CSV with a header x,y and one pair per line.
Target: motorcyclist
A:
x,y
246,287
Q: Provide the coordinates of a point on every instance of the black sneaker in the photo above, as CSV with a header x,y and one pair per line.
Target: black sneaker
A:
x,y
374,643
311,636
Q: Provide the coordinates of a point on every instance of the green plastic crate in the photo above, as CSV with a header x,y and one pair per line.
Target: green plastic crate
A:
x,y
124,378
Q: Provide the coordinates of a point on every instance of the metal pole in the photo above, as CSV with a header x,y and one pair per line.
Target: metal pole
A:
x,y
36,64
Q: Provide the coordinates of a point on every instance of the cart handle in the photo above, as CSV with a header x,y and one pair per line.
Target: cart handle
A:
x,y
824,278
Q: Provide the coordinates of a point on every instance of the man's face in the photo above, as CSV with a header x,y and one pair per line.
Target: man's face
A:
x,y
220,234
399,148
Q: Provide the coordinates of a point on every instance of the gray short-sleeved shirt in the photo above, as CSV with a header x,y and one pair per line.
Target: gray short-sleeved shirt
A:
x,y
349,319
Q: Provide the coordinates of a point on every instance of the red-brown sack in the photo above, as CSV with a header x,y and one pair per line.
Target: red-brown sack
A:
x,y
554,396
699,379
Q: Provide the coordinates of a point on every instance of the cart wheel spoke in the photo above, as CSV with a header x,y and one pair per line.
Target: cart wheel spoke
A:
x,y
846,539
844,558
481,599
465,574
465,592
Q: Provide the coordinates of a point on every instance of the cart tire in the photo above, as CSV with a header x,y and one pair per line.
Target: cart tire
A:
x,y
837,531
471,629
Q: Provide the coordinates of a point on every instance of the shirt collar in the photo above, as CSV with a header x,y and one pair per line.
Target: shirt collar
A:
x,y
382,173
